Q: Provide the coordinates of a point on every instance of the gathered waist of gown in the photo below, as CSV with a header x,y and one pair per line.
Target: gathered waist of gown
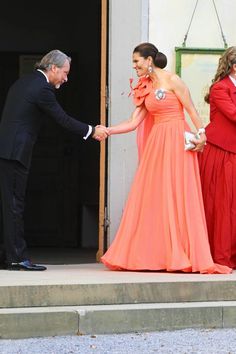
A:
x,y
160,118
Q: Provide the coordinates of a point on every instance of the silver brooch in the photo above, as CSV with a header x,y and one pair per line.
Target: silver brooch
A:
x,y
160,94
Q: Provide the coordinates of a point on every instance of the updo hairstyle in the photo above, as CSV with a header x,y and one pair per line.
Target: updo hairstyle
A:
x,y
148,49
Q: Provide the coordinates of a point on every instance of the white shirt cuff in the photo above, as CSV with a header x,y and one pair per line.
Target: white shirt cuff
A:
x,y
88,133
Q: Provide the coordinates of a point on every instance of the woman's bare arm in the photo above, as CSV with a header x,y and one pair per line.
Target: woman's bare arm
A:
x,y
130,124
183,94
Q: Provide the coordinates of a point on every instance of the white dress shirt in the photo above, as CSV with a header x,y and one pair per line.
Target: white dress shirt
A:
x,y
233,80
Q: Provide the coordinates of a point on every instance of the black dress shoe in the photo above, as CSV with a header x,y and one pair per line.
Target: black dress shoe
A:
x,y
25,265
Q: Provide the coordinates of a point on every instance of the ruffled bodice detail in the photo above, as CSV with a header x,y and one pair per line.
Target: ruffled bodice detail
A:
x,y
141,90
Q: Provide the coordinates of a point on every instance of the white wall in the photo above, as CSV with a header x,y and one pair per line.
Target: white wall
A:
x,y
169,21
128,26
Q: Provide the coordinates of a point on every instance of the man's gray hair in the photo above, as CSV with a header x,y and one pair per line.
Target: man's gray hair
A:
x,y
54,57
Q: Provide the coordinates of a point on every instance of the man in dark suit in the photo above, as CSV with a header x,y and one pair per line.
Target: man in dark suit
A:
x,y
29,100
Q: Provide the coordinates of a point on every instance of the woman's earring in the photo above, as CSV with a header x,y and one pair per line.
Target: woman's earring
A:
x,y
150,69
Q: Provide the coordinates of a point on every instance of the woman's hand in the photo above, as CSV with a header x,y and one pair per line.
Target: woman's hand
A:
x,y
101,133
199,143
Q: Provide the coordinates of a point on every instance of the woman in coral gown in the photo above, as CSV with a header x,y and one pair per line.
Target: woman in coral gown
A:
x,y
163,226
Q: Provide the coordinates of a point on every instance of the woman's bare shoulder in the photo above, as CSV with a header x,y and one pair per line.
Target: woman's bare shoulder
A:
x,y
175,81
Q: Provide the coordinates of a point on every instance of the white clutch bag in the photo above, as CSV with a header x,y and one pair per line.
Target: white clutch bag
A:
x,y
188,136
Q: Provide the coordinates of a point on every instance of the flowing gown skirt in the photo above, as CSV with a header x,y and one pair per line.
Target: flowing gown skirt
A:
x,y
163,225
218,175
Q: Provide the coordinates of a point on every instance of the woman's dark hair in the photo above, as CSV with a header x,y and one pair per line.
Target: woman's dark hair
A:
x,y
148,49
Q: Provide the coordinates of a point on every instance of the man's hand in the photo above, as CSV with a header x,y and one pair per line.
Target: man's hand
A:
x,y
101,133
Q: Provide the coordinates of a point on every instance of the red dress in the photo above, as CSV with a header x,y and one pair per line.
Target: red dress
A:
x,y
218,173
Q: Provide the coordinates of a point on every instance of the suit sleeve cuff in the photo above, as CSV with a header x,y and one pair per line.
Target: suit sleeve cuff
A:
x,y
90,132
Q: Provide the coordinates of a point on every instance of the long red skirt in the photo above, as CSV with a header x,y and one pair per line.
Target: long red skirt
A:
x,y
218,177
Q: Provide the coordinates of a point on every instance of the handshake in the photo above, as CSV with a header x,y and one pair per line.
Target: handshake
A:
x,y
101,133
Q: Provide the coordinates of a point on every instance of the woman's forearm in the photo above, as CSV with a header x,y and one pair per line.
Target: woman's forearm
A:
x,y
129,124
123,127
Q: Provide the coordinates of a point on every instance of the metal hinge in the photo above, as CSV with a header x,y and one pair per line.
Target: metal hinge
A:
x,y
106,220
107,97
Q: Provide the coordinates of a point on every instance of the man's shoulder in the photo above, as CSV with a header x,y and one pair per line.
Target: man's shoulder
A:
x,y
35,76
32,82
31,86
28,79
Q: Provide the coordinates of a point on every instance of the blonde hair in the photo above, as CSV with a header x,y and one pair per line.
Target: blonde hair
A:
x,y
225,64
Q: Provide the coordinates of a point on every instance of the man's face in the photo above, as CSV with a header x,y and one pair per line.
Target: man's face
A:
x,y
58,76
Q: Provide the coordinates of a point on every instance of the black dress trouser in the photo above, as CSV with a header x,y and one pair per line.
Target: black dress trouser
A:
x,y
13,181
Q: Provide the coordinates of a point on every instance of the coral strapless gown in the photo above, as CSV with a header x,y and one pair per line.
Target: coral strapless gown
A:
x,y
163,225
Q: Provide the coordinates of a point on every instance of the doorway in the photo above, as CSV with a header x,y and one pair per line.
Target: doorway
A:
x,y
62,203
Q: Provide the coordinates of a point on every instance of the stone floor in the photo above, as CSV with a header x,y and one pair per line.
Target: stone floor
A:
x,y
96,273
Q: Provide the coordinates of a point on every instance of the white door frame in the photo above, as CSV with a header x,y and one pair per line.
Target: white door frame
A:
x,y
128,26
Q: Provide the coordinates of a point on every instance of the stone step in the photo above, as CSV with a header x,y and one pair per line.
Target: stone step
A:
x,y
108,319
116,293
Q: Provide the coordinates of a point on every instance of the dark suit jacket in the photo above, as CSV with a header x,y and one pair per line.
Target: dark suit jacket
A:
x,y
221,130
29,100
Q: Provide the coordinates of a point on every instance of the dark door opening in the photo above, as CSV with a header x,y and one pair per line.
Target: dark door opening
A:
x,y
61,216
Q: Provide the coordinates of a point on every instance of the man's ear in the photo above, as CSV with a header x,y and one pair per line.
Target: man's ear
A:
x,y
53,68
